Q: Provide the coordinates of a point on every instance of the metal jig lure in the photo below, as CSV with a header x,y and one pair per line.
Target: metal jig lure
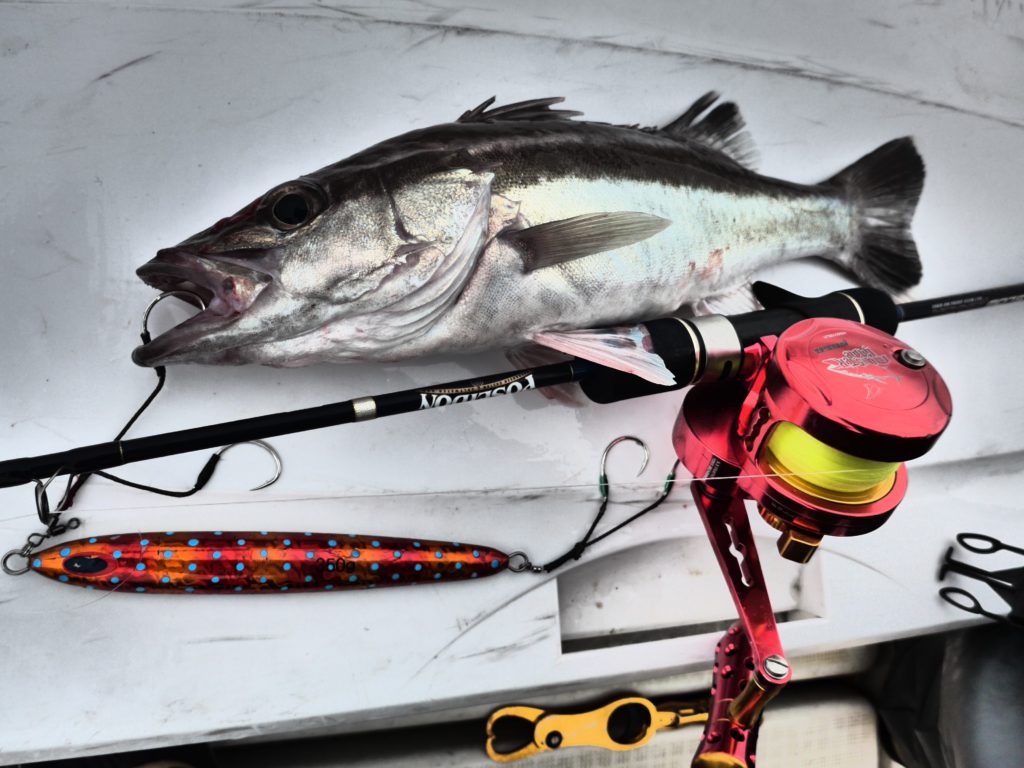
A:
x,y
230,561
224,561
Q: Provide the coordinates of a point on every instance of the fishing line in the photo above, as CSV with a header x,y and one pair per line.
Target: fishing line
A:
x,y
262,561
118,556
506,493
104,594
826,472
100,595
589,540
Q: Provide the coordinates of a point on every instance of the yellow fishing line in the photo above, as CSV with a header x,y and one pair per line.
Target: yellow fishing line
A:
x,y
822,471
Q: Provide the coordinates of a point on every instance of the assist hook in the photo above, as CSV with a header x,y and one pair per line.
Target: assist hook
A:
x,y
177,292
519,562
589,539
278,465
603,479
54,527
51,519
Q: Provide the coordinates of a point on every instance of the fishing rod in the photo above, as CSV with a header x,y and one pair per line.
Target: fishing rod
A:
x,y
701,349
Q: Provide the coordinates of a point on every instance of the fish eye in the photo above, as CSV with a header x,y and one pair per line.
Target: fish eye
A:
x,y
291,210
293,205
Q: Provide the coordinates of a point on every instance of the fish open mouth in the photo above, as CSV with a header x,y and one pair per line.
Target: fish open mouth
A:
x,y
226,287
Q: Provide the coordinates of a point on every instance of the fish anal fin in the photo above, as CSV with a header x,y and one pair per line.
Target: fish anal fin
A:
x,y
722,129
556,242
735,301
624,348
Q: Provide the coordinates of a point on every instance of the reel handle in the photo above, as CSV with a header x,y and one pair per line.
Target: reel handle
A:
x,y
750,664
726,742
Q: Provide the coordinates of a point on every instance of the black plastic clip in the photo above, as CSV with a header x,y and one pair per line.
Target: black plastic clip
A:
x,y
1008,583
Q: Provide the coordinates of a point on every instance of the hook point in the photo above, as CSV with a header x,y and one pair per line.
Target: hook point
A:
x,y
624,439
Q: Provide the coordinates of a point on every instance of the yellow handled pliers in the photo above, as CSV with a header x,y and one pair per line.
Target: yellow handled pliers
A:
x,y
621,725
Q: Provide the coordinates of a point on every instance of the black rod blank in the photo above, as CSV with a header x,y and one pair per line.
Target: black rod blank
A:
x,y
673,340
961,302
90,458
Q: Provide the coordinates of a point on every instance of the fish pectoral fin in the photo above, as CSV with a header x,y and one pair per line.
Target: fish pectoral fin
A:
x,y
624,348
556,242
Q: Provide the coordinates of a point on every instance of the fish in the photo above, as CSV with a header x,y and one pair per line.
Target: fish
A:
x,y
183,562
519,227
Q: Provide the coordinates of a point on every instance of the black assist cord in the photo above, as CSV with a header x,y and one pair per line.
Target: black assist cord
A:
x,y
589,539
76,481
52,519
586,542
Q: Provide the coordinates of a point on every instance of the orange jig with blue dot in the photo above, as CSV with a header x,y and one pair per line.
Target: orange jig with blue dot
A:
x,y
230,562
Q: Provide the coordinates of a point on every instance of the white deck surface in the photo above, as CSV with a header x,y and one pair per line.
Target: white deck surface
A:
x,y
125,127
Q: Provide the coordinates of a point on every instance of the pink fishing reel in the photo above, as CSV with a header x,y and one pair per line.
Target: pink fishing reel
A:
x,y
815,432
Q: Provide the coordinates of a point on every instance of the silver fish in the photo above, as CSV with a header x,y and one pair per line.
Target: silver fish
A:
x,y
519,225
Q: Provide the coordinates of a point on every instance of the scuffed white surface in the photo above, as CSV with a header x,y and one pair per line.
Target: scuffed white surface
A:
x,y
102,163
830,727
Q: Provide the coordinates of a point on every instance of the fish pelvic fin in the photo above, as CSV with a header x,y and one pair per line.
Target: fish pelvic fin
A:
x,y
556,242
722,129
624,348
883,187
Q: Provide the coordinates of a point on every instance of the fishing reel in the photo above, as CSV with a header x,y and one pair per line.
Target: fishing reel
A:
x,y
814,428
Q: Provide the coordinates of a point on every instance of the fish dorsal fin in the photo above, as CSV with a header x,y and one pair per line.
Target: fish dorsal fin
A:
x,y
556,242
534,109
721,129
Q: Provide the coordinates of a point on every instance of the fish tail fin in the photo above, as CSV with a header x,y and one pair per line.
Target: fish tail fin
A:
x,y
884,187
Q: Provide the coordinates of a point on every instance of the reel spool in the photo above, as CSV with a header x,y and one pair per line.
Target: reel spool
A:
x,y
818,434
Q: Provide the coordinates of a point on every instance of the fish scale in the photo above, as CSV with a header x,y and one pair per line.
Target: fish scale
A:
x,y
233,561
